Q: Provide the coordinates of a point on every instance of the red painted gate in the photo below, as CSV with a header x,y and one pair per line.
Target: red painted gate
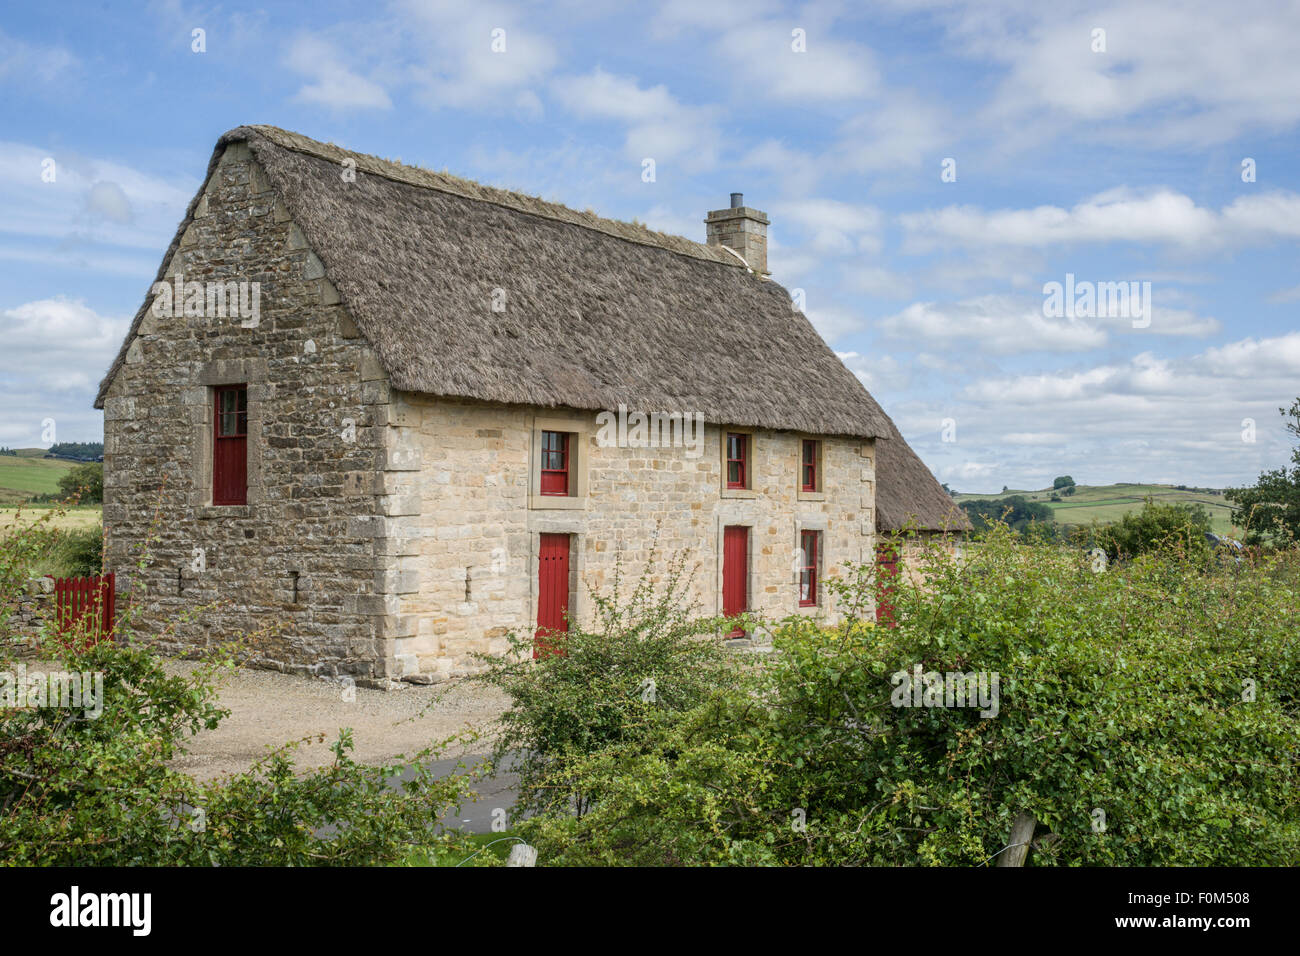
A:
x,y
552,592
735,573
89,602
886,572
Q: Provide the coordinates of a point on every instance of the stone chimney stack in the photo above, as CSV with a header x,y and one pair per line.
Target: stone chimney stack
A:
x,y
742,230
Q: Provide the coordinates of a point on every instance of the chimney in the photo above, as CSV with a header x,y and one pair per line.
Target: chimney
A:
x,y
742,230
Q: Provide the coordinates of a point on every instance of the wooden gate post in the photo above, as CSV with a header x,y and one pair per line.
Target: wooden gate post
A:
x,y
1022,831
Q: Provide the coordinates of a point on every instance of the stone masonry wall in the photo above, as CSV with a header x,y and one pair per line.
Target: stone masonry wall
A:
x,y
467,524
303,565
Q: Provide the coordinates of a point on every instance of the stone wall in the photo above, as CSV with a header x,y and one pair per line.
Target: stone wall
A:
x,y
466,523
34,607
300,565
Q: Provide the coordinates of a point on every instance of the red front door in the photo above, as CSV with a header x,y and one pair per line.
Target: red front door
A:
x,y
735,573
552,591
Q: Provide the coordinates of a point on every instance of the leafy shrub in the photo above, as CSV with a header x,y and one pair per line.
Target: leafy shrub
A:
x,y
1270,510
643,660
85,483
1147,715
1178,528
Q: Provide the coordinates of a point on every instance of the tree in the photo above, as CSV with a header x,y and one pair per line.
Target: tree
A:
x,y
1270,510
1017,511
1157,527
1065,481
86,480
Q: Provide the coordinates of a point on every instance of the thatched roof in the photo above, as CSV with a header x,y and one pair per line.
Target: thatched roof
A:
x,y
907,495
597,312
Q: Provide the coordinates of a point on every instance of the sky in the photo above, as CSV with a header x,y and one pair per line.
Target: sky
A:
x,y
930,169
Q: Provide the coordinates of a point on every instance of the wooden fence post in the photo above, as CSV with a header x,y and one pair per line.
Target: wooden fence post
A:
x,y
1022,831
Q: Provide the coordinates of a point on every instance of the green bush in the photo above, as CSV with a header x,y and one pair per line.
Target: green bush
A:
x,y
1146,715
643,660
85,482
1178,528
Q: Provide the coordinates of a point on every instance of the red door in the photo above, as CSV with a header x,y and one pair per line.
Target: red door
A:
x,y
735,573
552,591
886,572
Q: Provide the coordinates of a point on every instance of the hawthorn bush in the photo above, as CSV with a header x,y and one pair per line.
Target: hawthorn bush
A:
x,y
1147,715
645,659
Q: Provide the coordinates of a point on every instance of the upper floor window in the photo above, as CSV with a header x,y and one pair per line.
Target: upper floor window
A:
x,y
737,460
809,552
230,445
555,463
809,478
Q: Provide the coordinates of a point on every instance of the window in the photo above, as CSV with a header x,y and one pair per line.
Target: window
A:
x,y
230,445
737,460
810,550
808,477
555,463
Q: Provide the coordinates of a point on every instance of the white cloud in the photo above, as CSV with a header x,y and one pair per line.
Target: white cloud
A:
x,y
107,199
1117,215
1190,73
999,324
659,127
53,348
334,84
457,66
34,64
833,227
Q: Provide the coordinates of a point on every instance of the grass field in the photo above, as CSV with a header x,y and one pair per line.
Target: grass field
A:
x,y
1107,503
28,475
83,516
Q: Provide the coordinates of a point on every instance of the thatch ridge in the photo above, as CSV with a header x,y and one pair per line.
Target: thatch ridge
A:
x,y
521,202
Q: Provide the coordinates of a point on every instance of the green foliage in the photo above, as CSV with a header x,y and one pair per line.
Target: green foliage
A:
x,y
1159,692
1270,510
1016,511
1065,481
1178,528
85,483
644,659
78,789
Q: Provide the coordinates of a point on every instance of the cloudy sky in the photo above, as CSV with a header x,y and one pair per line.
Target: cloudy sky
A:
x,y
928,168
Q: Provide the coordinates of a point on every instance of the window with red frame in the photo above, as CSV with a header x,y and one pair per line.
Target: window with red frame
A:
x,y
809,549
737,460
555,463
230,445
808,468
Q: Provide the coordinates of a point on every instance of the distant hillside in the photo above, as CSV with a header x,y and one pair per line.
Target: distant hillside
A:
x,y
1106,503
27,475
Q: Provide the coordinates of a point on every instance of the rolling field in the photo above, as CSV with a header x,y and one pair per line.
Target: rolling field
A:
x,y
28,475
1107,503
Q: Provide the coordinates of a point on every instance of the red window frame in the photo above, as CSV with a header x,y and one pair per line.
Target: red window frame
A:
x,y
809,548
808,465
230,445
555,463
737,459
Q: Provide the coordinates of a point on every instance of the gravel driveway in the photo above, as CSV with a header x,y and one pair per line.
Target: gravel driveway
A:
x,y
268,709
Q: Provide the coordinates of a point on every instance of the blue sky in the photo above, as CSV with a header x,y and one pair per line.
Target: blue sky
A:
x,y
1114,164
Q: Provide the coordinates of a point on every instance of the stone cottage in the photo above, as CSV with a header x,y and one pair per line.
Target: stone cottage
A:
x,y
383,417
